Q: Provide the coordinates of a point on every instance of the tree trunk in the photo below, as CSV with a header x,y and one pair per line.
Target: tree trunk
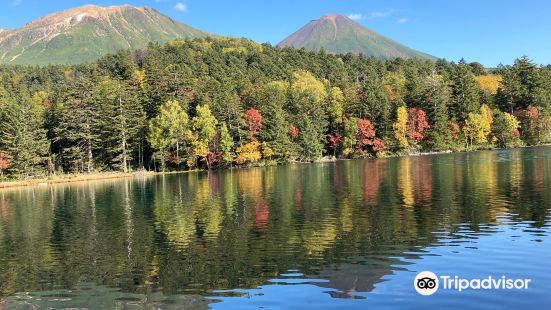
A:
x,y
90,157
89,147
123,137
178,155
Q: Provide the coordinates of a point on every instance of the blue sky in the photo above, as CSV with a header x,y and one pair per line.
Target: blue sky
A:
x,y
488,31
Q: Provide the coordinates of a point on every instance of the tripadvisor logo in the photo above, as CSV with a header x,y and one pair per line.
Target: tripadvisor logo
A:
x,y
427,283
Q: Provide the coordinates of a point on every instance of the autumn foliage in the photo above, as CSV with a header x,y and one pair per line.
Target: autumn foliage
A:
x,y
334,141
4,162
455,131
293,132
248,153
254,122
489,83
416,124
366,136
400,126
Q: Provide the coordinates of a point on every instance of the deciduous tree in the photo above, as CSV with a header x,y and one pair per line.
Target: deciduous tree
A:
x,y
400,127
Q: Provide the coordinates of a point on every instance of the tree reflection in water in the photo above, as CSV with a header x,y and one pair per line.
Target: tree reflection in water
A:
x,y
194,233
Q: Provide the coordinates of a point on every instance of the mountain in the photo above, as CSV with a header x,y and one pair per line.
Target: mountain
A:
x,y
339,34
86,33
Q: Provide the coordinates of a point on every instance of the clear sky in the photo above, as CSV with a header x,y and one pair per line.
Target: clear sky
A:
x,y
488,31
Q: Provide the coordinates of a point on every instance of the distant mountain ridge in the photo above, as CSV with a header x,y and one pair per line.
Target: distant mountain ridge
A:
x,y
86,33
339,34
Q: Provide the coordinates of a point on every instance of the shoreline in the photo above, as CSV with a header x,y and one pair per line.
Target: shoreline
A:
x,y
73,178
80,178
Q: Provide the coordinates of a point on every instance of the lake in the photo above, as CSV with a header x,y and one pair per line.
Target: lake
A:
x,y
350,234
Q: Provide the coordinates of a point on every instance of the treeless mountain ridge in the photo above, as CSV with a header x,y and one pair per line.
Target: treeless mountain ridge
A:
x,y
85,33
339,34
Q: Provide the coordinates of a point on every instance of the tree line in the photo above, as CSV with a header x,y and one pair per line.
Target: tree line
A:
x,y
209,103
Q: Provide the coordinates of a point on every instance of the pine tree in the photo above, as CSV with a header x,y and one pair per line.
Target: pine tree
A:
x,y
436,101
78,132
273,99
121,122
375,104
309,99
464,92
23,138
520,86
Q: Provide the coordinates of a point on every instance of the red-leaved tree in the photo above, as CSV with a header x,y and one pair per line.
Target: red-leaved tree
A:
x,y
293,132
254,122
378,145
454,129
416,125
4,162
365,135
334,140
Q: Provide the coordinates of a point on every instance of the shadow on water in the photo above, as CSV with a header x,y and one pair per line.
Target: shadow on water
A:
x,y
349,230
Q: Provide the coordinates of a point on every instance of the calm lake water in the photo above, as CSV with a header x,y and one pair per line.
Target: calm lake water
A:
x,y
351,234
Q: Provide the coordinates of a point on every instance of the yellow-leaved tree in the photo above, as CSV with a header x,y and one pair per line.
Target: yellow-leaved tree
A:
x,y
400,126
489,83
478,126
487,120
248,153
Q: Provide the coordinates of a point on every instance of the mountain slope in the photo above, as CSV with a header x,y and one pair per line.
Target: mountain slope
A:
x,y
339,34
86,33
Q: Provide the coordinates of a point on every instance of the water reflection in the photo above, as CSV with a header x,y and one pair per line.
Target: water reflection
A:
x,y
343,227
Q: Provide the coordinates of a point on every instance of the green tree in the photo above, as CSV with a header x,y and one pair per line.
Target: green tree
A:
x,y
78,130
505,128
375,104
309,99
23,138
205,126
226,145
169,129
436,101
464,92
273,99
349,136
521,85
121,120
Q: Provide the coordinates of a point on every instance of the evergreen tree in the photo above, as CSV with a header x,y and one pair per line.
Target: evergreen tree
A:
x,y
309,99
436,101
78,132
520,86
273,100
464,92
375,104
23,138
121,121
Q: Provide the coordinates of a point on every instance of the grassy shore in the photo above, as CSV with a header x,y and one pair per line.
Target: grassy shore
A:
x,y
71,178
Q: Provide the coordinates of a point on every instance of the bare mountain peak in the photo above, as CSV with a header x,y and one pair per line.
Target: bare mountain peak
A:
x,y
76,15
331,17
85,33
339,34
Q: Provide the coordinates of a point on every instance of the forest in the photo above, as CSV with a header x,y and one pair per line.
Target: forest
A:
x,y
213,103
